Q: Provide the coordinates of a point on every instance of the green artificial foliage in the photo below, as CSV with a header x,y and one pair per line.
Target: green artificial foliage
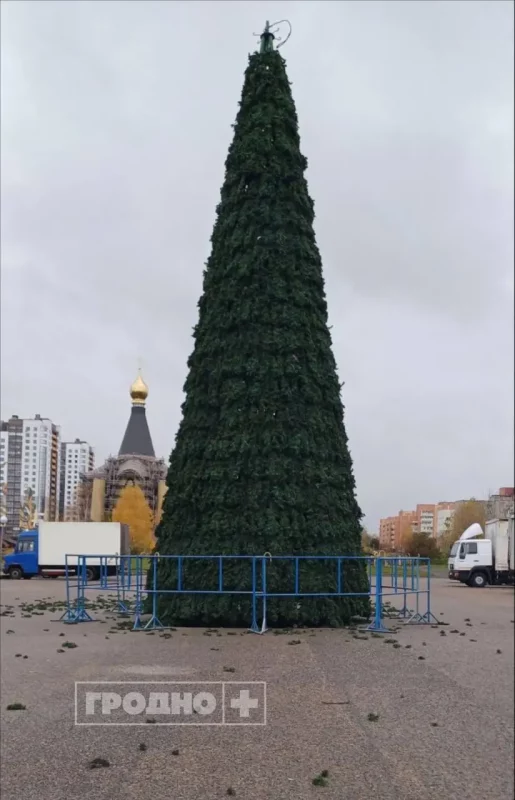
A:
x,y
261,460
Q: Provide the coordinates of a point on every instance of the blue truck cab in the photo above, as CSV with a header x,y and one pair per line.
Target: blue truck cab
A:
x,y
23,562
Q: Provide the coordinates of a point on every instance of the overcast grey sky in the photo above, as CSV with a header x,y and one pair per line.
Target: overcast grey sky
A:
x,y
116,119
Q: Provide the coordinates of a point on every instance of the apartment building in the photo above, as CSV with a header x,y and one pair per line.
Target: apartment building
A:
x,y
425,518
395,531
434,519
502,504
442,518
77,458
30,455
389,533
4,446
429,518
407,526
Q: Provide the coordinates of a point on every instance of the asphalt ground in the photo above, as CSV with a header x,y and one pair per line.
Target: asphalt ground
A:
x,y
443,707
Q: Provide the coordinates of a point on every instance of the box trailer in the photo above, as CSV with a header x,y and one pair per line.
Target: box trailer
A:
x,y
51,546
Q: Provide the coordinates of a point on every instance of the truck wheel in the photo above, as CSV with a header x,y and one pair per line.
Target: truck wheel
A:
x,y
16,573
91,574
478,580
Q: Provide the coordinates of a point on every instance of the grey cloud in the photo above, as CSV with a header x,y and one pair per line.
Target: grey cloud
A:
x,y
115,126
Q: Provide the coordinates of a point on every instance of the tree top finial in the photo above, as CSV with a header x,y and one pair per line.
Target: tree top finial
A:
x,y
269,36
267,40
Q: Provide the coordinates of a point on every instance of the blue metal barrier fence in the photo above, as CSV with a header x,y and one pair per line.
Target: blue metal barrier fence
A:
x,y
399,578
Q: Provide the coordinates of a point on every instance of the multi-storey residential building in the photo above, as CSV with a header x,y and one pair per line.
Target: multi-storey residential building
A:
x,y
389,533
434,519
407,526
77,459
394,532
4,449
425,521
442,518
429,518
13,431
501,505
31,465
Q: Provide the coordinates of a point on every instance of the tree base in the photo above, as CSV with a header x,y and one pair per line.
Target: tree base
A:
x,y
236,612
233,607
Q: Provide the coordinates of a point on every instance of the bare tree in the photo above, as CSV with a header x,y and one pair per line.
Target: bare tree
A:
x,y
28,511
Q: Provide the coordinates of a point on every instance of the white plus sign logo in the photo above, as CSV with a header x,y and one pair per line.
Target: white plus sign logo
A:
x,y
244,703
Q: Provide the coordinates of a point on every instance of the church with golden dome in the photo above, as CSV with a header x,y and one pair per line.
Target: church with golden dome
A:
x,y
135,464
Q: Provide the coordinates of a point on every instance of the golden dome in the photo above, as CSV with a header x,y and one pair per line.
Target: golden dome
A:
x,y
139,391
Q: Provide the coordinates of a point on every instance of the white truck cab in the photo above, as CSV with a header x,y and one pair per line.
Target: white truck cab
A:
x,y
465,556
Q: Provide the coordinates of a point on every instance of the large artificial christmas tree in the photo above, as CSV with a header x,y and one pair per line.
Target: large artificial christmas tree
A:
x,y
261,461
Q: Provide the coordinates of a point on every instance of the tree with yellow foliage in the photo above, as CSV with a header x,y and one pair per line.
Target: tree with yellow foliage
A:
x,y
133,510
466,514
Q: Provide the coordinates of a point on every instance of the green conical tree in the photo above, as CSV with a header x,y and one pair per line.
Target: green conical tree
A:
x,y
261,460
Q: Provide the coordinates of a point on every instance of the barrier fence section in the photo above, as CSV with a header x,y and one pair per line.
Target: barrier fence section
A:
x,y
405,580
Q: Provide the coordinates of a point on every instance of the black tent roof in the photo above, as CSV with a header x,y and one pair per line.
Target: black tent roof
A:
x,y
137,439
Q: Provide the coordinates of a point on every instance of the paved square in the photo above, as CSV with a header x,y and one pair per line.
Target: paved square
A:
x,y
424,714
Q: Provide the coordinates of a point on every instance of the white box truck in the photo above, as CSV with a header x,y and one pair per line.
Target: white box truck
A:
x,y
479,561
43,551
